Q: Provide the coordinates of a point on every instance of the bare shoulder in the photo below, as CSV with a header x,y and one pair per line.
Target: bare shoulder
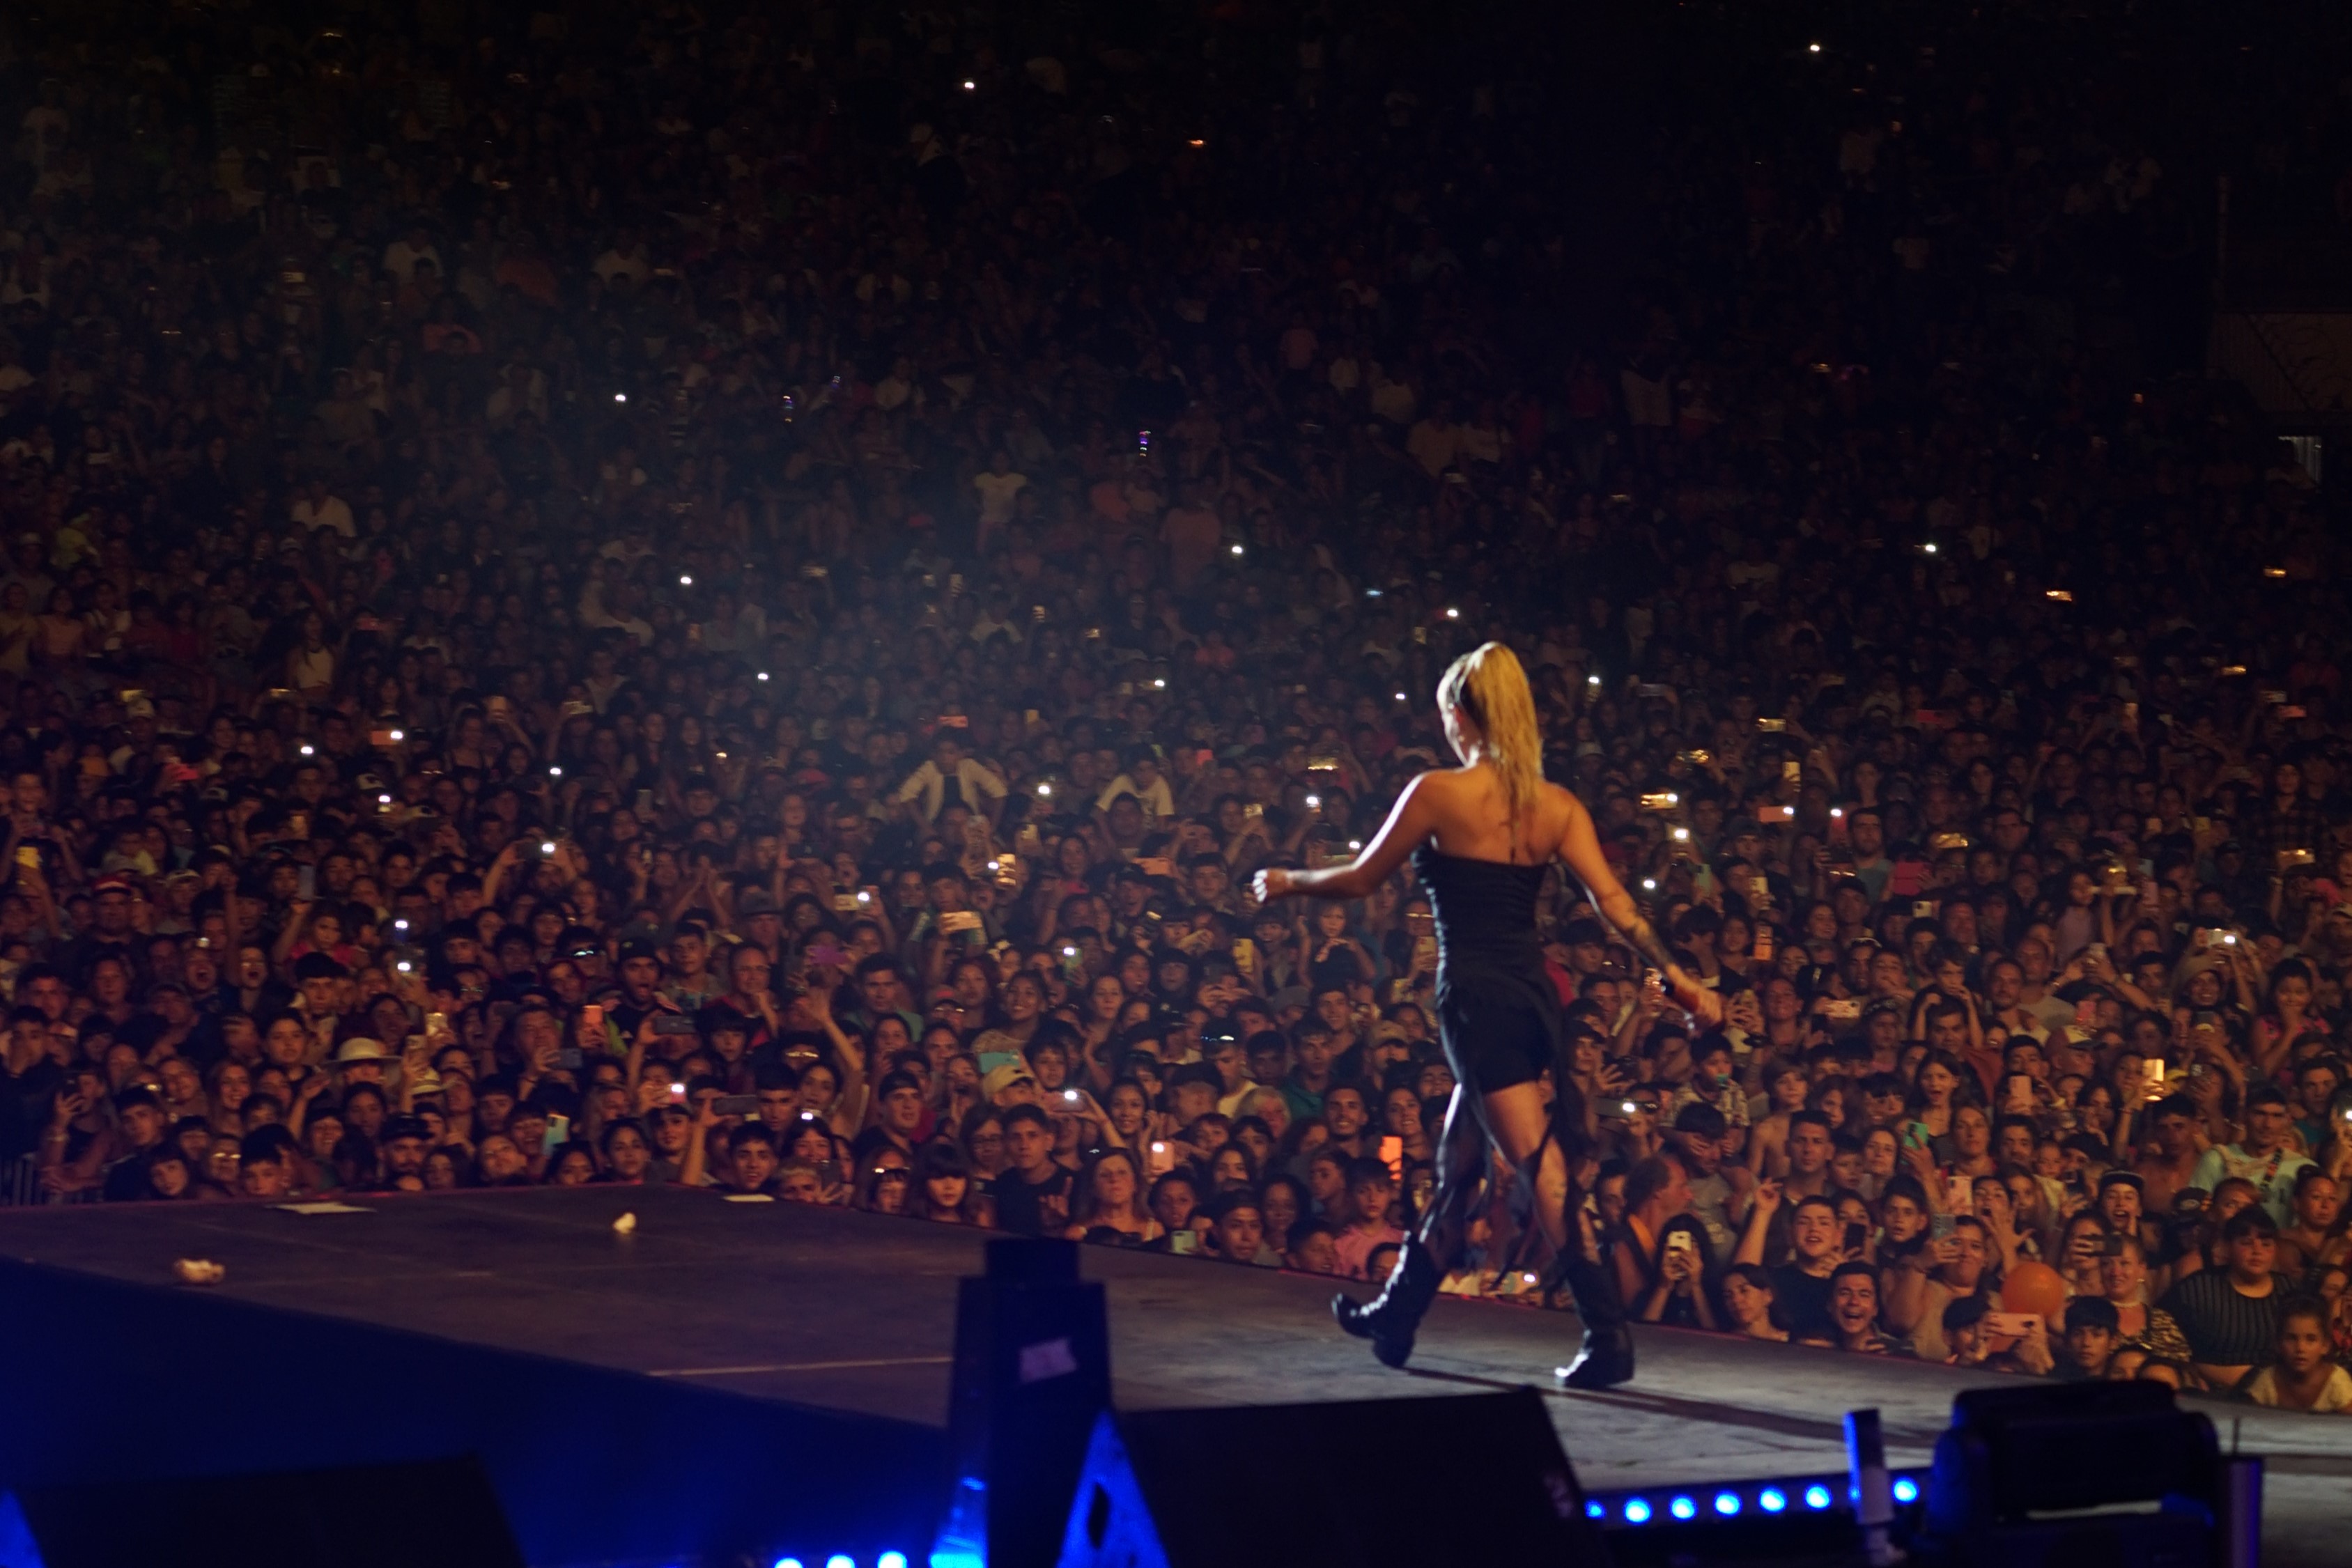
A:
x,y
1560,797
1559,812
1437,786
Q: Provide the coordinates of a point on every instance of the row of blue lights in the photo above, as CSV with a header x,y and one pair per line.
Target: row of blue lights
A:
x,y
1731,1502
842,1560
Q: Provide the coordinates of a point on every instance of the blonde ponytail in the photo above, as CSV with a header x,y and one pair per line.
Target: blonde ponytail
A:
x,y
1488,684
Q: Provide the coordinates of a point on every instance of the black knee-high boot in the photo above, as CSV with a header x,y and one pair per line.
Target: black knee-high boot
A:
x,y
1606,1357
1391,1319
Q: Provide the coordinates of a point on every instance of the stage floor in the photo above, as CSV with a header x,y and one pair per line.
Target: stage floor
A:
x,y
856,1312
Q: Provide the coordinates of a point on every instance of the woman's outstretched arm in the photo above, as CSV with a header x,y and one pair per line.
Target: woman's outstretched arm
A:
x,y
1580,848
1411,821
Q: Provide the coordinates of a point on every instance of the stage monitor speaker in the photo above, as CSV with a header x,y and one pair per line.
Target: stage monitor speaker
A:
x,y
1383,1483
436,1511
1031,1372
2021,1470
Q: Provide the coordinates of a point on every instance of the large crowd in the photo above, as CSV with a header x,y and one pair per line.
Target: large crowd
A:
x,y
732,595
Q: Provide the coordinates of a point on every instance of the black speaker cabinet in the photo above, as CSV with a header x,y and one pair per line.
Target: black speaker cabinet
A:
x,y
1384,1483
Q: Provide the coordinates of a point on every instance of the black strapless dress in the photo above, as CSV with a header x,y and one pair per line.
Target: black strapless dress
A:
x,y
1498,1015
1499,1020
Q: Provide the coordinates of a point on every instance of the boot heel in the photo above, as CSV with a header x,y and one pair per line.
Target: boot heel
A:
x,y
1390,1318
1605,1360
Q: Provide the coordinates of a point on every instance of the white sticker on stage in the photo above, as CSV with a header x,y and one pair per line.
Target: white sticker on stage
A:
x,y
1052,1358
322,1207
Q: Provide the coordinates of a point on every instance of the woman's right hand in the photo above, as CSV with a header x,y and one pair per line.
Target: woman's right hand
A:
x,y
1271,884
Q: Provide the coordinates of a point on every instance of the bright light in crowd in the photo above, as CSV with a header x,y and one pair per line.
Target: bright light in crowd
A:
x,y
619,397
1452,614
1929,546
553,771
971,87
1044,788
1813,48
309,750
1592,680
1237,549
763,674
684,581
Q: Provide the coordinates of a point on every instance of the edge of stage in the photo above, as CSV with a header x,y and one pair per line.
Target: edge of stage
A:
x,y
843,1323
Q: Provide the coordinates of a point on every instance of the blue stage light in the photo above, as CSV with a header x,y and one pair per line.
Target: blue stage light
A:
x,y
1637,1510
891,1559
1596,1511
1683,1507
1773,1500
788,1562
1906,1490
1817,1497
1727,1503
841,1560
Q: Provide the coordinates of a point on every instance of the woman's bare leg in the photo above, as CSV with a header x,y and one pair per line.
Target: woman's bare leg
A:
x,y
1520,1124
1462,1159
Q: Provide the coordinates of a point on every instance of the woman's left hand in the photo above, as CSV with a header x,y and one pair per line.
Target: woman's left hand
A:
x,y
1271,884
1697,1000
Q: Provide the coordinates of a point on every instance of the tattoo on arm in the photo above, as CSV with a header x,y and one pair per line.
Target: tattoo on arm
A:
x,y
1645,942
